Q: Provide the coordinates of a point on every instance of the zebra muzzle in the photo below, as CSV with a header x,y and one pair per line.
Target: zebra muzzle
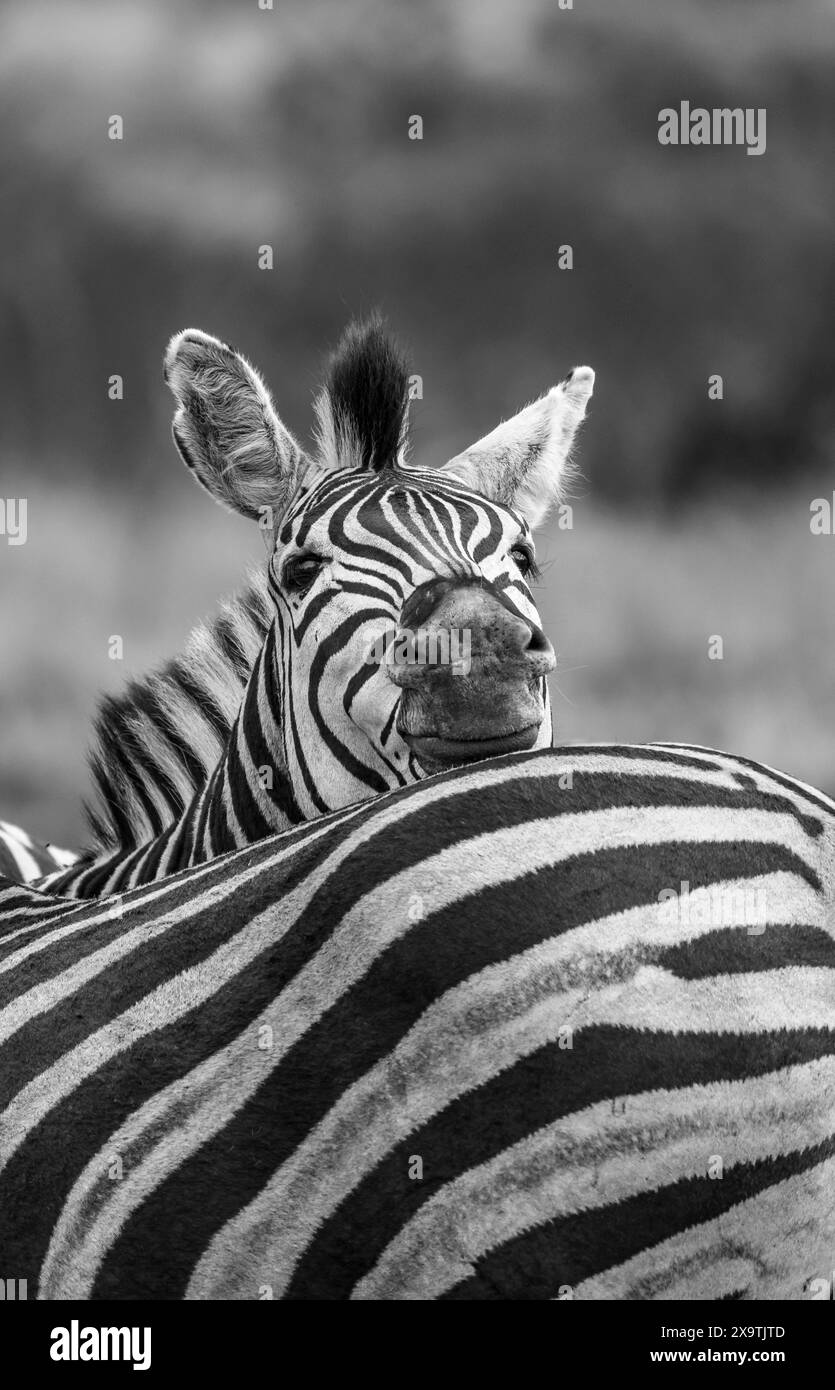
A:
x,y
471,671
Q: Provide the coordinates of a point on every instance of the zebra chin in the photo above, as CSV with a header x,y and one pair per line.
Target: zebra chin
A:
x,y
434,752
475,721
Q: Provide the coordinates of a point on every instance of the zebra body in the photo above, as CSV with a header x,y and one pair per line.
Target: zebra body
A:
x,y
365,551
468,1040
25,860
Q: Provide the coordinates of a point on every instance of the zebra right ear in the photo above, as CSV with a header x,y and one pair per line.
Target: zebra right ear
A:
x,y
525,463
226,427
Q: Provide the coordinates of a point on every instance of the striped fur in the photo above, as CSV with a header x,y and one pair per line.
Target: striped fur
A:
x,y
24,860
282,712
450,1043
156,744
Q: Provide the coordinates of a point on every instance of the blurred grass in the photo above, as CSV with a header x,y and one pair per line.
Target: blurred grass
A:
x,y
629,607
89,570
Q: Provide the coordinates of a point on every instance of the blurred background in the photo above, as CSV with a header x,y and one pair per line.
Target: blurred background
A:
x,y
245,127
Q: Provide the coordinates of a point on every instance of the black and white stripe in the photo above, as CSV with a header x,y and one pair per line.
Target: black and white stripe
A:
x,y
226,1084
24,859
157,743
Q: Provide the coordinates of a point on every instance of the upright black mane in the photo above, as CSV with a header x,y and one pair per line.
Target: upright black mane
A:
x,y
368,389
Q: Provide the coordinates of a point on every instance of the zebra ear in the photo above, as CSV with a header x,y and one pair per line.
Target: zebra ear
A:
x,y
226,427
525,463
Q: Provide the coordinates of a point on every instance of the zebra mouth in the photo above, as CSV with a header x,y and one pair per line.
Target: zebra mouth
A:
x,y
431,748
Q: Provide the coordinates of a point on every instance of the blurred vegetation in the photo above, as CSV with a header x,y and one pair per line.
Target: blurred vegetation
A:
x,y
245,127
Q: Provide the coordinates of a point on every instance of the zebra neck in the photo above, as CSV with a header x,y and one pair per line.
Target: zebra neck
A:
x,y
250,794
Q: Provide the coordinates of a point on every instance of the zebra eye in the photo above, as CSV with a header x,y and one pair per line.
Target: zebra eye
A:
x,y
300,571
522,556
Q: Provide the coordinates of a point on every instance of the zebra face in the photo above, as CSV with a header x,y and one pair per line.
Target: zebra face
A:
x,y
406,638
407,634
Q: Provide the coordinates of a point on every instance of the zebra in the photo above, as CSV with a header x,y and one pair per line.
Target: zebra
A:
x,y
303,698
25,859
470,1039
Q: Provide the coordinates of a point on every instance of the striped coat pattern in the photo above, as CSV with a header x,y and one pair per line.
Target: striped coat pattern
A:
x,y
24,859
557,1025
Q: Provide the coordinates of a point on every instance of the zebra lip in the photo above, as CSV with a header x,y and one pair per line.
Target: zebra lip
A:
x,y
432,748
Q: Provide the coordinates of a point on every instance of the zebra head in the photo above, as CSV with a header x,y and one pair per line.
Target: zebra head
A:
x,y
405,638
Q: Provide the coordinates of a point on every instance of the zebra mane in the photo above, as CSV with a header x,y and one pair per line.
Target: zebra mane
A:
x,y
362,410
156,744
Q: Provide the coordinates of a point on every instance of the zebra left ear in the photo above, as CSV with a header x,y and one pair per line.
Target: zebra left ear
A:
x,y
226,427
525,462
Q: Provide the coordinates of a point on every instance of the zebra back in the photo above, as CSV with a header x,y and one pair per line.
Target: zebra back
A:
x,y
458,1042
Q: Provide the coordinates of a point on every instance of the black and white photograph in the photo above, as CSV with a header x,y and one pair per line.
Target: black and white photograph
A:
x,y
417,603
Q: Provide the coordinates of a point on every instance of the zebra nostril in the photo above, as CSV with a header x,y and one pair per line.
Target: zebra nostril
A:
x,y
537,642
404,672
422,602
538,652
